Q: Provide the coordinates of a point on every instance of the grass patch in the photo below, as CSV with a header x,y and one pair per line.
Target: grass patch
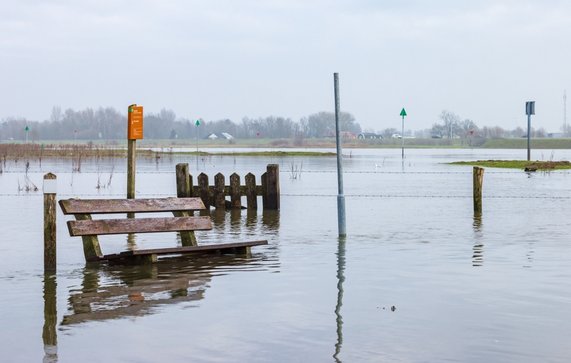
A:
x,y
258,153
518,164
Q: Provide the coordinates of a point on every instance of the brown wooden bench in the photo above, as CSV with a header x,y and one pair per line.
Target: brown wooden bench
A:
x,y
183,222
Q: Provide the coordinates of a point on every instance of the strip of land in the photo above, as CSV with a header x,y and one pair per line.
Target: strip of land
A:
x,y
518,164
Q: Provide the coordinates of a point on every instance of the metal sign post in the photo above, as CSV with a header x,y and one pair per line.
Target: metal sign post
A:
x,y
529,110
340,196
402,114
197,123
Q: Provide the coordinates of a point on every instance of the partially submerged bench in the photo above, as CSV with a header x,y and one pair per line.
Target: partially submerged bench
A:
x,y
183,222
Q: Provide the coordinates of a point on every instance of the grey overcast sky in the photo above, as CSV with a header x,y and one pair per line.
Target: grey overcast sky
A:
x,y
233,58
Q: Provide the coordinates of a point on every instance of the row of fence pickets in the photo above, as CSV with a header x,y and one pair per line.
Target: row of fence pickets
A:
x,y
215,194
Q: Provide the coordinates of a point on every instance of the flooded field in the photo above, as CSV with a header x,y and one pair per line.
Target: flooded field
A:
x,y
418,279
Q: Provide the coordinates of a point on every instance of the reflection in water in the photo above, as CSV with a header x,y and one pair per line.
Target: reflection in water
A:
x,y
340,281
112,292
49,334
133,290
478,249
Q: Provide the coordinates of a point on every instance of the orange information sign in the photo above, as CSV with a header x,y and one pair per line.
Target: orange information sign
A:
x,y
135,122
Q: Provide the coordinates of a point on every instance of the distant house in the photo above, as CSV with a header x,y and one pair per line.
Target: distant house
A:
x,y
227,136
368,135
212,136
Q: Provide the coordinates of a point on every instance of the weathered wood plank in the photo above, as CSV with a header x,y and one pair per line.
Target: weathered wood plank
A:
x,y
273,187
203,191
235,197
109,206
219,199
239,246
183,188
251,194
138,225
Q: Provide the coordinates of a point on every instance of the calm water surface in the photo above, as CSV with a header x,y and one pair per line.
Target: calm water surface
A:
x,y
418,279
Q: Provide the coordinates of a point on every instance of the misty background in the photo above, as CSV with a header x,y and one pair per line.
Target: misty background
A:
x,y
226,60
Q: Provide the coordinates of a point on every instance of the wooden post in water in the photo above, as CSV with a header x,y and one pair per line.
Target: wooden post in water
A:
x,y
219,199
251,195
50,190
478,176
235,197
273,187
131,167
184,190
204,193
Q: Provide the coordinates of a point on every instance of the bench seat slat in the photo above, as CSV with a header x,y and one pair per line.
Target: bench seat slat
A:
x,y
184,250
138,225
110,206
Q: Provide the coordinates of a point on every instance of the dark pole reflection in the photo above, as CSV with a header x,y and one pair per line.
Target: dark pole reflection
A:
x,y
478,249
340,281
49,333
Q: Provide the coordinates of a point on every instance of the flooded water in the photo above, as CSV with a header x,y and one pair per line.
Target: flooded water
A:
x,y
418,278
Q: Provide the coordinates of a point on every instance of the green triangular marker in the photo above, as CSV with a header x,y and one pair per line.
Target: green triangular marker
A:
x,y
403,112
27,128
197,123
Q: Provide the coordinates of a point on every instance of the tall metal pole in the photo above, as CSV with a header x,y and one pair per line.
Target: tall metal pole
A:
x,y
528,136
340,196
564,112
197,146
402,137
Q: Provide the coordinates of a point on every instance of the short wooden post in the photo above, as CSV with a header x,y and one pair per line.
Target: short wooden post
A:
x,y
478,181
184,190
235,196
273,187
219,200
204,193
50,190
251,195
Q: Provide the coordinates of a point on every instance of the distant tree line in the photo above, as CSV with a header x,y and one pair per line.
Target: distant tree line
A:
x,y
452,126
108,123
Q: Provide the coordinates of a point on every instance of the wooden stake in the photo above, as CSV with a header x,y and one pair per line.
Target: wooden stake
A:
x,y
478,175
219,199
50,260
184,190
273,187
251,195
235,197
204,193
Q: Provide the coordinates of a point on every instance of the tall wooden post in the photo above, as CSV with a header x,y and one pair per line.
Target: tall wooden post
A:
x,y
184,190
478,176
131,167
273,187
50,190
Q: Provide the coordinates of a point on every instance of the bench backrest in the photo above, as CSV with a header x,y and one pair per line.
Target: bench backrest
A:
x,y
181,207
111,206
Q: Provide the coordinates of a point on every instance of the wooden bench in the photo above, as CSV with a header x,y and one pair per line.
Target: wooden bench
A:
x,y
183,222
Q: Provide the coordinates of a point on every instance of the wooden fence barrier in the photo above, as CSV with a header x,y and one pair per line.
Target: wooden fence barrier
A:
x,y
215,195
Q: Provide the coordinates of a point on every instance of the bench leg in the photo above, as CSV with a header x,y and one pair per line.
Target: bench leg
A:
x,y
91,247
187,238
